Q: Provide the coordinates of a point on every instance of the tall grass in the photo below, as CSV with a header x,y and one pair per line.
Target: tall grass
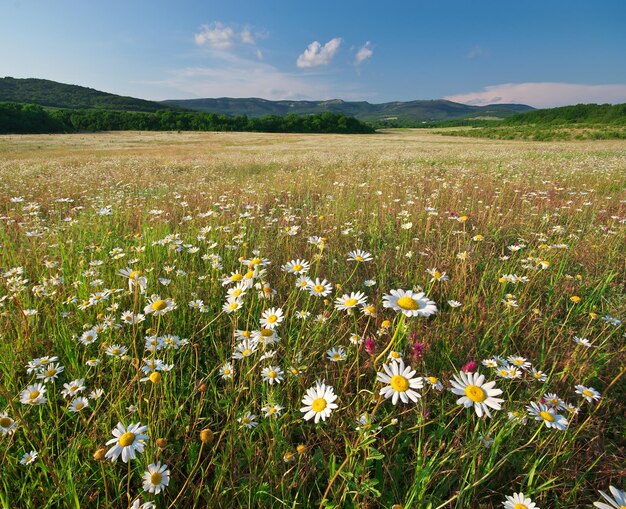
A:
x,y
187,210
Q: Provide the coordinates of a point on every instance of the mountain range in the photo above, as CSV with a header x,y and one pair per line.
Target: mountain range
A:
x,y
60,95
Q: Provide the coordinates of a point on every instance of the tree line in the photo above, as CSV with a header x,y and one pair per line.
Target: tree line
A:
x,y
16,118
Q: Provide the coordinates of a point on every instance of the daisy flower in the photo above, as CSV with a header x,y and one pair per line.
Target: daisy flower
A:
x,y
359,256
34,395
78,404
7,425
116,351
540,376
617,501
272,374
271,318
227,371
409,303
158,306
303,282
135,279
320,288
318,402
296,267
265,336
552,400
402,383
437,276
589,393
156,478
272,410
232,304
49,372
548,415
347,302
519,501
248,420
520,362
127,442
336,354
434,382
582,341
454,304
29,458
73,388
476,393
244,349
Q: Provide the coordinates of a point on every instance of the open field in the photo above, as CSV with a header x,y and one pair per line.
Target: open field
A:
x,y
204,285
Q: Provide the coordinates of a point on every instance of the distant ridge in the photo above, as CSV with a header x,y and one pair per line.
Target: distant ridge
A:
x,y
426,110
60,95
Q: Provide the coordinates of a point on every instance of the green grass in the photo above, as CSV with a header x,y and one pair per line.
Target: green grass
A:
x,y
359,193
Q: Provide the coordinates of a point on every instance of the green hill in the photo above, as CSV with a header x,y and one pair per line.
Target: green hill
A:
x,y
60,95
576,114
416,111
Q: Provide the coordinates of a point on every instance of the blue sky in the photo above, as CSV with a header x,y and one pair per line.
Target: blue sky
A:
x,y
542,53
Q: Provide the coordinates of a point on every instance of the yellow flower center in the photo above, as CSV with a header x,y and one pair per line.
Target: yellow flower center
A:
x,y
134,274
233,305
246,352
437,274
126,439
159,305
237,292
297,267
318,404
236,277
34,395
266,333
227,371
116,351
520,506
155,377
155,478
51,372
272,410
80,406
546,416
318,288
5,422
272,374
350,302
246,420
475,393
433,379
254,262
358,258
249,274
272,319
399,383
337,356
407,303
395,355
587,392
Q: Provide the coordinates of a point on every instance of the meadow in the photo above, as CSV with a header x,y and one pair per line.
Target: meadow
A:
x,y
399,320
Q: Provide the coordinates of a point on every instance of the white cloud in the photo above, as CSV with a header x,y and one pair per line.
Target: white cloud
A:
x,y
315,54
477,52
543,95
364,53
223,37
216,35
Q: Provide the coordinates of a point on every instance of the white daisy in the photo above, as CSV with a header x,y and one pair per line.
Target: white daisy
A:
x,y
359,255
348,302
29,458
409,303
320,287
272,374
589,393
336,354
156,478
271,318
296,267
158,306
617,501
402,384
476,393
128,441
318,402
548,415
519,501
34,395
7,425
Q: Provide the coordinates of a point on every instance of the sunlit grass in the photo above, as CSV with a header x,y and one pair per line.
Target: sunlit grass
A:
x,y
530,238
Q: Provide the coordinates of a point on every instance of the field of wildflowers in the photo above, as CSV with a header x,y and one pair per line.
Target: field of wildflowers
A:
x,y
265,320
